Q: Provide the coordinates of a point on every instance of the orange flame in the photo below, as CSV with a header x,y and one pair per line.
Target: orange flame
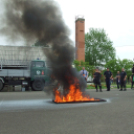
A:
x,y
74,95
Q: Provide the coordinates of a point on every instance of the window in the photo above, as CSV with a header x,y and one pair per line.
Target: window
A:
x,y
37,64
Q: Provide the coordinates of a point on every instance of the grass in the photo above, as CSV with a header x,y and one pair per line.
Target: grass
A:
x,y
113,86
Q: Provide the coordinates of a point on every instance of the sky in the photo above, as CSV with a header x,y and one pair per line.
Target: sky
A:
x,y
114,16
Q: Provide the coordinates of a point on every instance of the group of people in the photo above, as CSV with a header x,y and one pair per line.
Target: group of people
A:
x,y
120,79
132,80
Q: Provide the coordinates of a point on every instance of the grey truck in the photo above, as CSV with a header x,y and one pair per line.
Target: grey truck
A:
x,y
25,66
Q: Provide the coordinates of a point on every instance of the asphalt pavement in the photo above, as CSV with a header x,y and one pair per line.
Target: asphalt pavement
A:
x,y
35,113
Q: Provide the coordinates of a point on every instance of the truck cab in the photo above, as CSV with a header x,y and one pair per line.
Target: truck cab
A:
x,y
40,74
37,69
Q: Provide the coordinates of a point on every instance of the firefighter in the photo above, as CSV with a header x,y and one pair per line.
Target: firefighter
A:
x,y
96,80
132,80
123,77
108,76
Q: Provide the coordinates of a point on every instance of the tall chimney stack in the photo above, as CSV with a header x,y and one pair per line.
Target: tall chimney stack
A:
x,y
80,38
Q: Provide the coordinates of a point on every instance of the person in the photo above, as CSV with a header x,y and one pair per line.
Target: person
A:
x,y
96,80
84,73
108,76
133,69
123,77
114,80
111,81
118,79
128,80
132,80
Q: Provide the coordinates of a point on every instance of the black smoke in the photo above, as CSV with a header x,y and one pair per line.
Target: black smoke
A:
x,y
42,20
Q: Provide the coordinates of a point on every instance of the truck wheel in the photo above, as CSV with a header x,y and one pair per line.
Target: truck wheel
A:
x,y
38,85
1,85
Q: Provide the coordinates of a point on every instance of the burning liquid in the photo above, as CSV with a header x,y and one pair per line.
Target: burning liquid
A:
x,y
74,95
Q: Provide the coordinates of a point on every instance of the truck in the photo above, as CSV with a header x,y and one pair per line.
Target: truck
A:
x,y
24,65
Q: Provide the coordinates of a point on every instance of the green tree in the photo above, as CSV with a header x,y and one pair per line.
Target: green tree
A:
x,y
41,44
80,64
77,65
113,66
98,47
127,65
117,64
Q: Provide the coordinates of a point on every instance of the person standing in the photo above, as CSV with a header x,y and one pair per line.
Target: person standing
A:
x,y
84,73
132,80
96,80
108,76
128,80
118,79
123,77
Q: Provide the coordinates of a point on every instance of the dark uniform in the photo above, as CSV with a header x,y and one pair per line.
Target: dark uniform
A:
x,y
97,81
132,81
122,82
118,80
133,69
108,74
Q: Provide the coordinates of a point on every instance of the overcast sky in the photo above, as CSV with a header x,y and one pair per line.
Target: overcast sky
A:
x,y
115,16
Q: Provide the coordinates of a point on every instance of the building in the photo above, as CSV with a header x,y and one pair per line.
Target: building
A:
x,y
80,38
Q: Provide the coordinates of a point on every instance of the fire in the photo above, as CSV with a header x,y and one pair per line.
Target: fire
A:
x,y
74,95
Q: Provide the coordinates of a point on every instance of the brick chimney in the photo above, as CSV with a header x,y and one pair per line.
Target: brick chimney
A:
x,y
80,38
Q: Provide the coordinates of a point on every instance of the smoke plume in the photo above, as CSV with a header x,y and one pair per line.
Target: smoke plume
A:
x,y
42,20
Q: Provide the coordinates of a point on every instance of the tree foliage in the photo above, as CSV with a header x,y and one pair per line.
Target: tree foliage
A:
x,y
41,44
80,64
117,64
98,47
127,65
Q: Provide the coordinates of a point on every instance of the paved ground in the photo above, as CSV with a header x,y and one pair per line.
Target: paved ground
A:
x,y
34,113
